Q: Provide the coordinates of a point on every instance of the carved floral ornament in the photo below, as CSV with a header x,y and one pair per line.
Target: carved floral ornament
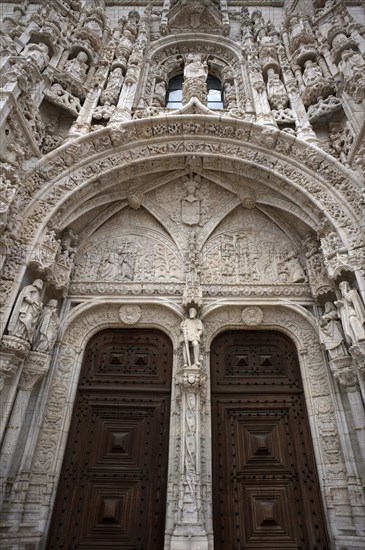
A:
x,y
123,147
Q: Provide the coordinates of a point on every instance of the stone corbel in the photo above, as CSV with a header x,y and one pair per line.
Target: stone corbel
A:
x,y
344,372
358,354
35,368
13,353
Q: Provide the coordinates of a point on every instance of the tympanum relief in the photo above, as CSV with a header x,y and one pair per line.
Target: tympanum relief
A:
x,y
246,247
130,247
250,248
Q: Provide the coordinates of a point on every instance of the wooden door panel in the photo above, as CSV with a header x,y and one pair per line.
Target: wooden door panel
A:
x,y
266,492
112,490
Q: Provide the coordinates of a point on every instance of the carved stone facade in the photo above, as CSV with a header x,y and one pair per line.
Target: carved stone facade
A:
x,y
192,167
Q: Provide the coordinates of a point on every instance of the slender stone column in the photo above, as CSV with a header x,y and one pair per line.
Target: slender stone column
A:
x,y
35,367
13,352
344,372
189,532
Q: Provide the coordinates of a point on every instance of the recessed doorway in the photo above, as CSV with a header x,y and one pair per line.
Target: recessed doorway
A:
x,y
265,484
112,488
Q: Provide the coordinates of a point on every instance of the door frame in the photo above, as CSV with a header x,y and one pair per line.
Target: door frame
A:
x,y
237,405
87,318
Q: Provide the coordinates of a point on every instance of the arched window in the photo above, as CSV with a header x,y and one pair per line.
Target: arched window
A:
x,y
215,99
174,92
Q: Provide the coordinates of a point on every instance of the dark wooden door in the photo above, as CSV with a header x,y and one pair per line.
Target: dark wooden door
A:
x,y
265,487
112,490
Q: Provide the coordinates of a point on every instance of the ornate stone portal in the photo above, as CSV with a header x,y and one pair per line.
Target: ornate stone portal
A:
x,y
116,211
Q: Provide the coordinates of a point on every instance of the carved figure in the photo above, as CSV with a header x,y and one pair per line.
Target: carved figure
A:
x,y
7,194
111,93
119,264
47,328
311,72
195,67
77,67
276,91
291,270
191,329
351,63
352,314
230,100
330,332
37,53
195,76
26,312
190,205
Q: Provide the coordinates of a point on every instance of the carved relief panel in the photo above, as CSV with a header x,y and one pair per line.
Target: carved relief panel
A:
x,y
249,247
130,247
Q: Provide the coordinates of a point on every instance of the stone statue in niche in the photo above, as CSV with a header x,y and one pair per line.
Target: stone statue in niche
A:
x,y
195,76
330,333
276,92
352,69
94,26
7,194
352,314
77,67
26,311
190,205
290,270
47,328
111,93
311,72
192,329
230,98
195,67
38,53
159,95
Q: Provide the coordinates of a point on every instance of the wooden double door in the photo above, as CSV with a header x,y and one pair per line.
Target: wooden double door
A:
x,y
265,486
112,489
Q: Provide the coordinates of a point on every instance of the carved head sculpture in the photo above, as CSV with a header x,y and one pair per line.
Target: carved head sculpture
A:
x,y
38,283
192,312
